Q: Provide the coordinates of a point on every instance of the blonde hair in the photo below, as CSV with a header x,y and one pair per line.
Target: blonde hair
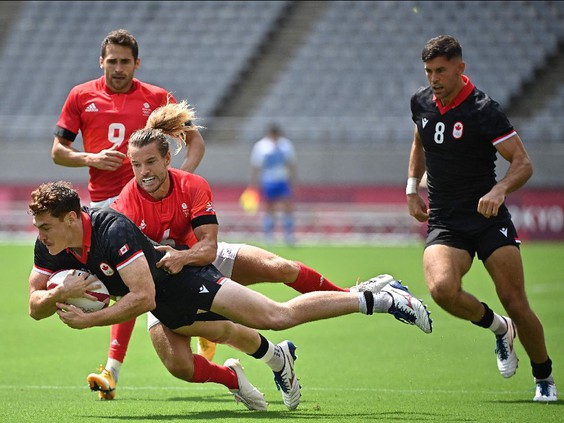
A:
x,y
172,121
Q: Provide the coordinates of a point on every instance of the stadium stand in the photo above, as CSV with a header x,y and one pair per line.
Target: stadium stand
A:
x,y
342,94
196,49
547,125
360,64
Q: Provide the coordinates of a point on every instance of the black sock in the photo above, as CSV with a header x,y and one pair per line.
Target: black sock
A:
x,y
262,349
369,297
542,370
487,320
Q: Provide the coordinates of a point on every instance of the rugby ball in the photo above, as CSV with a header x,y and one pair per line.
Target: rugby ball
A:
x,y
102,295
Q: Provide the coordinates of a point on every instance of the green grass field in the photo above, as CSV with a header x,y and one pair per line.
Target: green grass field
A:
x,y
352,369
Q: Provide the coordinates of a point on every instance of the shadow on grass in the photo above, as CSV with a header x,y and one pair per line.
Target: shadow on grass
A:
x,y
529,402
304,413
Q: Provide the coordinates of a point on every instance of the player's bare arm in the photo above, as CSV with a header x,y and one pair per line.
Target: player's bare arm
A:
x,y
201,253
139,300
195,149
415,203
42,302
518,173
64,154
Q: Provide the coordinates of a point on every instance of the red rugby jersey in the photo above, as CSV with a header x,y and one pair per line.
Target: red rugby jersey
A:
x,y
106,118
171,220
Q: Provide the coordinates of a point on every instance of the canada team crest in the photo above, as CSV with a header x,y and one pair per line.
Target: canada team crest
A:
x,y
106,269
457,130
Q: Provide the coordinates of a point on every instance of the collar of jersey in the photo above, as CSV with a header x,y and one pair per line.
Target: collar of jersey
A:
x,y
86,238
460,97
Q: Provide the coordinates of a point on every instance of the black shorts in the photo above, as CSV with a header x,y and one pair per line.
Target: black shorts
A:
x,y
183,296
472,232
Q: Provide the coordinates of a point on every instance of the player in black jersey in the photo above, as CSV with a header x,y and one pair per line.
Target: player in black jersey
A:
x,y
459,131
106,243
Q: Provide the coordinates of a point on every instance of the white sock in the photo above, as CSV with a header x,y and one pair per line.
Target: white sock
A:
x,y
549,379
498,326
114,366
362,306
382,302
274,357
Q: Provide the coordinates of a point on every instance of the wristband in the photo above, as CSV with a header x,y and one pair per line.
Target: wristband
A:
x,y
411,187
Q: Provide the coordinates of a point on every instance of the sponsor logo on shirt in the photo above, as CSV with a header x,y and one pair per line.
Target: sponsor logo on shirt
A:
x,y
209,207
91,108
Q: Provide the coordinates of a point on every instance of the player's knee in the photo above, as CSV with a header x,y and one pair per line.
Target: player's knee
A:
x,y
282,270
180,369
289,270
442,294
225,335
280,319
514,304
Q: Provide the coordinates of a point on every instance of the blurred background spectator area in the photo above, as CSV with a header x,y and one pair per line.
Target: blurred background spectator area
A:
x,y
336,75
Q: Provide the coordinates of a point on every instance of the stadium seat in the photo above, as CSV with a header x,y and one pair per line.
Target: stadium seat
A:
x,y
369,52
359,61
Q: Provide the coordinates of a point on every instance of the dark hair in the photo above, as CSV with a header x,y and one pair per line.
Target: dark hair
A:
x,y
274,129
443,45
55,198
121,37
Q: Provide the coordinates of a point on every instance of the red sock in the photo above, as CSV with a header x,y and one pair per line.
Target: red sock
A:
x,y
310,280
119,339
207,371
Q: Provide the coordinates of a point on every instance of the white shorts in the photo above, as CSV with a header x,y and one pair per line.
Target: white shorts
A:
x,y
224,260
104,203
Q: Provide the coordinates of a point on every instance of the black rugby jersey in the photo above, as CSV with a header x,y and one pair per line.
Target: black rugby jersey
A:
x,y
458,141
112,241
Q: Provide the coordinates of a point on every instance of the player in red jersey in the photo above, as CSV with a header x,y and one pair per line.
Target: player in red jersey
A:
x,y
106,111
175,208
